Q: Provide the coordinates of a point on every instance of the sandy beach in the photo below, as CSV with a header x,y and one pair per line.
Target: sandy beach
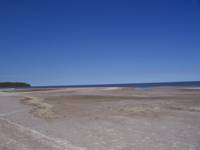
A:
x,y
103,118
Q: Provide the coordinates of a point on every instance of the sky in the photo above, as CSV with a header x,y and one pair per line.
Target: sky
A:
x,y
69,42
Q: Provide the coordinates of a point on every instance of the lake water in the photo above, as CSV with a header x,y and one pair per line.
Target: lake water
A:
x,y
136,85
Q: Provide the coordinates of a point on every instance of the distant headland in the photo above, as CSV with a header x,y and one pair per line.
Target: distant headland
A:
x,y
14,84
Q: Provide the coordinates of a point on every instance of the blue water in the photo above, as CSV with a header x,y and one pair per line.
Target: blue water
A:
x,y
136,85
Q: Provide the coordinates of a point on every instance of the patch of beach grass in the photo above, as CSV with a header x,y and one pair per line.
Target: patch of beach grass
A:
x,y
39,107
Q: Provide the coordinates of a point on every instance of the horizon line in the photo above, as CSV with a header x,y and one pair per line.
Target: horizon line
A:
x,y
113,84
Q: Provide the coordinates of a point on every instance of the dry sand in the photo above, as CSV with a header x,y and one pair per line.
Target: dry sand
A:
x,y
111,118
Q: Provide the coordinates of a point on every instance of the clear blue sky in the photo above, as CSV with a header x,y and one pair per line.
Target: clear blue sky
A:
x,y
59,42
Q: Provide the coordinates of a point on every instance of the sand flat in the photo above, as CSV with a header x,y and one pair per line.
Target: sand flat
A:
x,y
111,118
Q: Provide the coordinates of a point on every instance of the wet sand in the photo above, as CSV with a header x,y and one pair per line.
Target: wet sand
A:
x,y
109,118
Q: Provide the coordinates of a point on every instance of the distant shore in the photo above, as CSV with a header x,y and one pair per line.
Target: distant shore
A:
x,y
14,85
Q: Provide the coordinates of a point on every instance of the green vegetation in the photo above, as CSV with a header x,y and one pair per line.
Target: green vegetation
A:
x,y
13,84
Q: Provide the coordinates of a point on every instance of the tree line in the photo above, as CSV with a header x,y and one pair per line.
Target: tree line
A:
x,y
14,84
